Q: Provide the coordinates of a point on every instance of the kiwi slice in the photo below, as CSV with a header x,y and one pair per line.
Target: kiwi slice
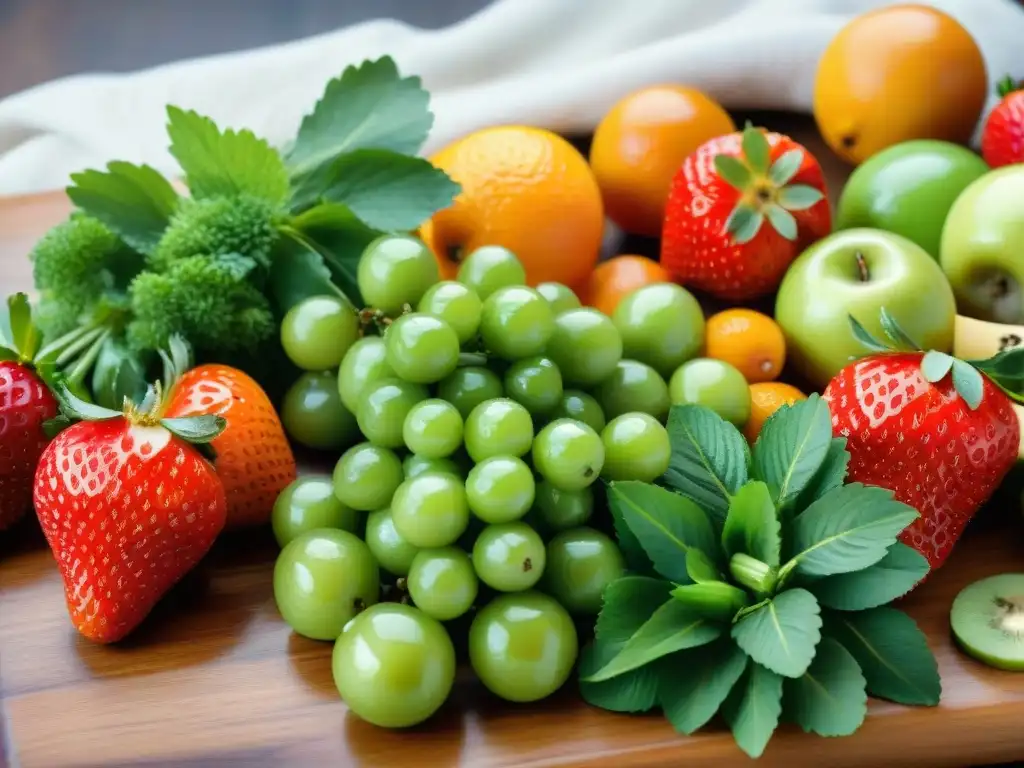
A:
x,y
987,619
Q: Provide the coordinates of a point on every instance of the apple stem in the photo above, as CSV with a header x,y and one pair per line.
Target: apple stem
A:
x,y
862,267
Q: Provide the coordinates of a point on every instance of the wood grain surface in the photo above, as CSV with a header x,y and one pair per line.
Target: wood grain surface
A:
x,y
215,678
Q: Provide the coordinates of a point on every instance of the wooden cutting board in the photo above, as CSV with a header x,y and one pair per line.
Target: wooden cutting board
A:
x,y
216,678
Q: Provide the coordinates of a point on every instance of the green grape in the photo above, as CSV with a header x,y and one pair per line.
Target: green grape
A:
x,y
363,364
634,386
456,304
523,646
636,447
442,583
366,476
394,553
489,268
536,384
661,324
499,427
578,405
569,454
421,348
500,489
322,579
560,297
516,322
467,387
430,510
585,346
395,270
560,510
433,429
394,666
383,409
317,332
714,384
307,503
509,557
581,563
418,465
313,415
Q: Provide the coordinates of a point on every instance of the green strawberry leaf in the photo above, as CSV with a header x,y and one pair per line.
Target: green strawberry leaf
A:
x,y
890,578
782,221
792,445
968,383
25,338
744,226
829,699
753,707
699,567
830,474
8,355
896,334
714,600
733,171
756,150
752,525
863,335
196,429
119,373
782,634
634,691
77,409
799,197
785,168
693,684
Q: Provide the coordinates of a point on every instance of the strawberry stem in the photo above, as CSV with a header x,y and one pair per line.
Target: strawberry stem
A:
x,y
1008,85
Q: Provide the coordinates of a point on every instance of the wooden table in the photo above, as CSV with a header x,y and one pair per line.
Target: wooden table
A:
x,y
215,678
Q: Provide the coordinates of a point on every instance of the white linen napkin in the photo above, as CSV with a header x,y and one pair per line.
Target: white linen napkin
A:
x,y
553,63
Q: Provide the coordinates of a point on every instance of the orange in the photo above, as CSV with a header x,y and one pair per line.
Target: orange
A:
x,y
526,189
639,145
766,398
752,342
611,280
898,73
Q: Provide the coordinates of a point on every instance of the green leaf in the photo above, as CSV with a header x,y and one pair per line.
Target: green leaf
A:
x,y
890,578
370,106
896,334
693,684
627,603
792,446
709,458
863,335
219,163
799,197
968,383
756,150
715,600
297,272
830,474
75,407
7,354
753,708
635,691
700,568
747,229
830,698
733,171
752,525
892,652
785,168
782,221
134,201
935,365
196,429
665,523
783,634
119,373
848,529
636,558
24,335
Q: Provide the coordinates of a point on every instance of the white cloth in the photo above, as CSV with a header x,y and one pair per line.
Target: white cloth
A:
x,y
553,63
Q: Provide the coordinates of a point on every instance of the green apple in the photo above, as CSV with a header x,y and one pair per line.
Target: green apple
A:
x,y
908,189
982,249
857,272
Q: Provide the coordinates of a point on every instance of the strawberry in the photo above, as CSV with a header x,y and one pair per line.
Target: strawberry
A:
x,y
940,433
128,505
714,236
1002,139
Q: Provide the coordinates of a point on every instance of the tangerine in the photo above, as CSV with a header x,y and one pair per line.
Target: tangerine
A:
x,y
612,280
766,397
749,340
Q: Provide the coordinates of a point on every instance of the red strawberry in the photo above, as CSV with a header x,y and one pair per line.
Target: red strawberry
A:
x,y
937,432
128,505
1002,139
714,236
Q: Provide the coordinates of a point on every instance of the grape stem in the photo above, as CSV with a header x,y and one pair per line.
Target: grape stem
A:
x,y
467,359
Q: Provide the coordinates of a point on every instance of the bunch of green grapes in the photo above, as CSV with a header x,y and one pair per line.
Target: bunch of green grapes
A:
x,y
479,415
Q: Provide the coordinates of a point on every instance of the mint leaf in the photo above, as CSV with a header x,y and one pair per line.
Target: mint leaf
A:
x,y
133,201
636,558
892,652
752,525
220,163
715,600
792,446
753,708
830,698
888,579
297,272
665,523
782,634
699,567
709,458
368,106
830,474
848,529
627,603
693,684
634,691
340,237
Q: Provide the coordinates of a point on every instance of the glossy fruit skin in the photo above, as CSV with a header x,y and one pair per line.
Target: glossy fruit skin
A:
x,y
581,563
414,465
421,348
500,489
308,503
640,144
526,189
615,278
430,510
509,557
467,387
766,397
634,386
363,364
713,384
516,322
869,67
317,332
392,552
825,286
394,666
312,413
580,406
384,408
254,460
499,427
433,429
559,297
923,443
442,583
661,324
488,268
750,341
636,447
395,270
535,383
1002,140
366,476
144,505
568,453
456,304
585,346
695,246
523,646
25,405
560,510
